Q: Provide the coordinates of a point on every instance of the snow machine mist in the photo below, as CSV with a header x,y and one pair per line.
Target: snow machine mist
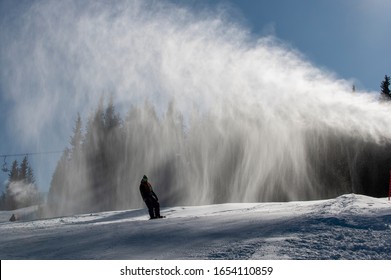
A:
x,y
208,112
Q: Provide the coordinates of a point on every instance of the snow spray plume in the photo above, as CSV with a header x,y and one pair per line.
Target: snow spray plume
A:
x,y
252,105
21,194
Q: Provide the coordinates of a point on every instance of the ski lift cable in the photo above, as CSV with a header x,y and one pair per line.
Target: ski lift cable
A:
x,y
29,154
4,156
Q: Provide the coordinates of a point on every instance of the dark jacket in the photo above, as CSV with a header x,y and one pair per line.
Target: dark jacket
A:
x,y
146,191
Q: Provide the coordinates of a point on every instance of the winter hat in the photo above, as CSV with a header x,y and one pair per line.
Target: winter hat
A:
x,y
145,178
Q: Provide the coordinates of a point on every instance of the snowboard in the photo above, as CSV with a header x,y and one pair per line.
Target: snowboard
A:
x,y
161,217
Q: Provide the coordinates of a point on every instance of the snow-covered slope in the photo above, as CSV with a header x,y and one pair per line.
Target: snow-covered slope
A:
x,y
348,227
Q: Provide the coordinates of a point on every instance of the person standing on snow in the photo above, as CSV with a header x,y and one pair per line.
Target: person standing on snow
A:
x,y
150,198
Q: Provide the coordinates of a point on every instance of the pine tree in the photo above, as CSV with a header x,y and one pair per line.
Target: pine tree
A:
x,y
385,90
30,175
77,138
21,190
23,170
13,176
111,118
14,173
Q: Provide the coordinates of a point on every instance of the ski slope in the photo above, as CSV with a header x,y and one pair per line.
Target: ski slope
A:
x,y
347,227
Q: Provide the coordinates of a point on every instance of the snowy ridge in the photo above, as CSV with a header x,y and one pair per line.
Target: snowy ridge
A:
x,y
348,227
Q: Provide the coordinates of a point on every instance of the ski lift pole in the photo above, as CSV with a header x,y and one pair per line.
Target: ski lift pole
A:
x,y
5,168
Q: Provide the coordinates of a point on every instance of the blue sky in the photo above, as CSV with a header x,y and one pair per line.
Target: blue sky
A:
x,y
350,38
